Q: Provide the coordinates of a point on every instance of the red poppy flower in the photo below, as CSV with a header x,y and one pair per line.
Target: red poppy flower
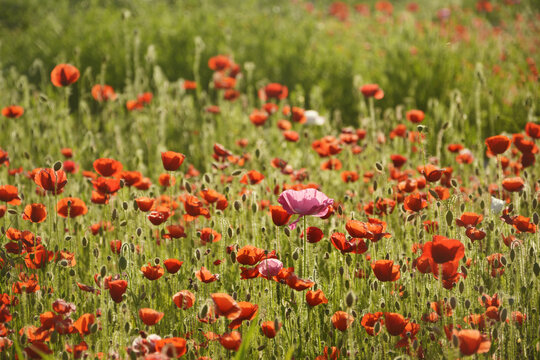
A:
x,y
35,213
395,323
149,316
231,341
209,235
369,321
219,62
274,91
152,272
250,255
523,224
171,347
295,283
172,160
414,203
64,75
291,136
269,329
252,177
117,288
248,311
514,184
206,276
475,234
415,116
184,299
314,234
533,130
103,93
372,90
194,207
398,160
349,176
443,250
226,306
432,173
469,219
385,270
342,320
472,342
314,298
354,245
10,194
13,111
77,350
144,203
107,167
172,265
71,207
158,217
280,216
498,144
258,117
106,186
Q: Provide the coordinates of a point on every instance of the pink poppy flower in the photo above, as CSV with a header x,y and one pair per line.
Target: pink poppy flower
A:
x,y
269,267
304,202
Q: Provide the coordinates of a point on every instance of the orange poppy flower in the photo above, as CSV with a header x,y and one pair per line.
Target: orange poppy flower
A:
x,y
108,186
331,164
35,213
354,245
415,116
172,347
469,219
152,272
258,117
250,255
103,92
172,160
64,75
209,235
206,276
144,203
291,136
117,288
431,172
13,111
269,329
149,316
314,234
295,283
514,184
77,350
231,341
158,217
172,265
248,311
252,177
498,144
194,207
475,234
184,299
71,207
10,194
472,342
314,298
395,323
342,320
226,306
369,321
443,250
107,167
385,270
83,323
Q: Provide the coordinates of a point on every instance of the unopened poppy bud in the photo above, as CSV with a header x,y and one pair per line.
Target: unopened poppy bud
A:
x,y
504,314
379,166
536,269
349,300
103,271
461,287
63,263
114,214
57,165
13,211
237,205
244,197
234,295
254,208
341,270
257,153
453,302
287,231
467,304
198,254
125,205
96,252
295,254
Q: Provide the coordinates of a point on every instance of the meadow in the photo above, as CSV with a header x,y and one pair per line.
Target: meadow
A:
x,y
284,180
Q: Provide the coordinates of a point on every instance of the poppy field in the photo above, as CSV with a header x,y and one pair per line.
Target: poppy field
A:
x,y
296,180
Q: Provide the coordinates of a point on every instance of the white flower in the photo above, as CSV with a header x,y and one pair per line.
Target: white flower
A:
x,y
497,205
313,118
